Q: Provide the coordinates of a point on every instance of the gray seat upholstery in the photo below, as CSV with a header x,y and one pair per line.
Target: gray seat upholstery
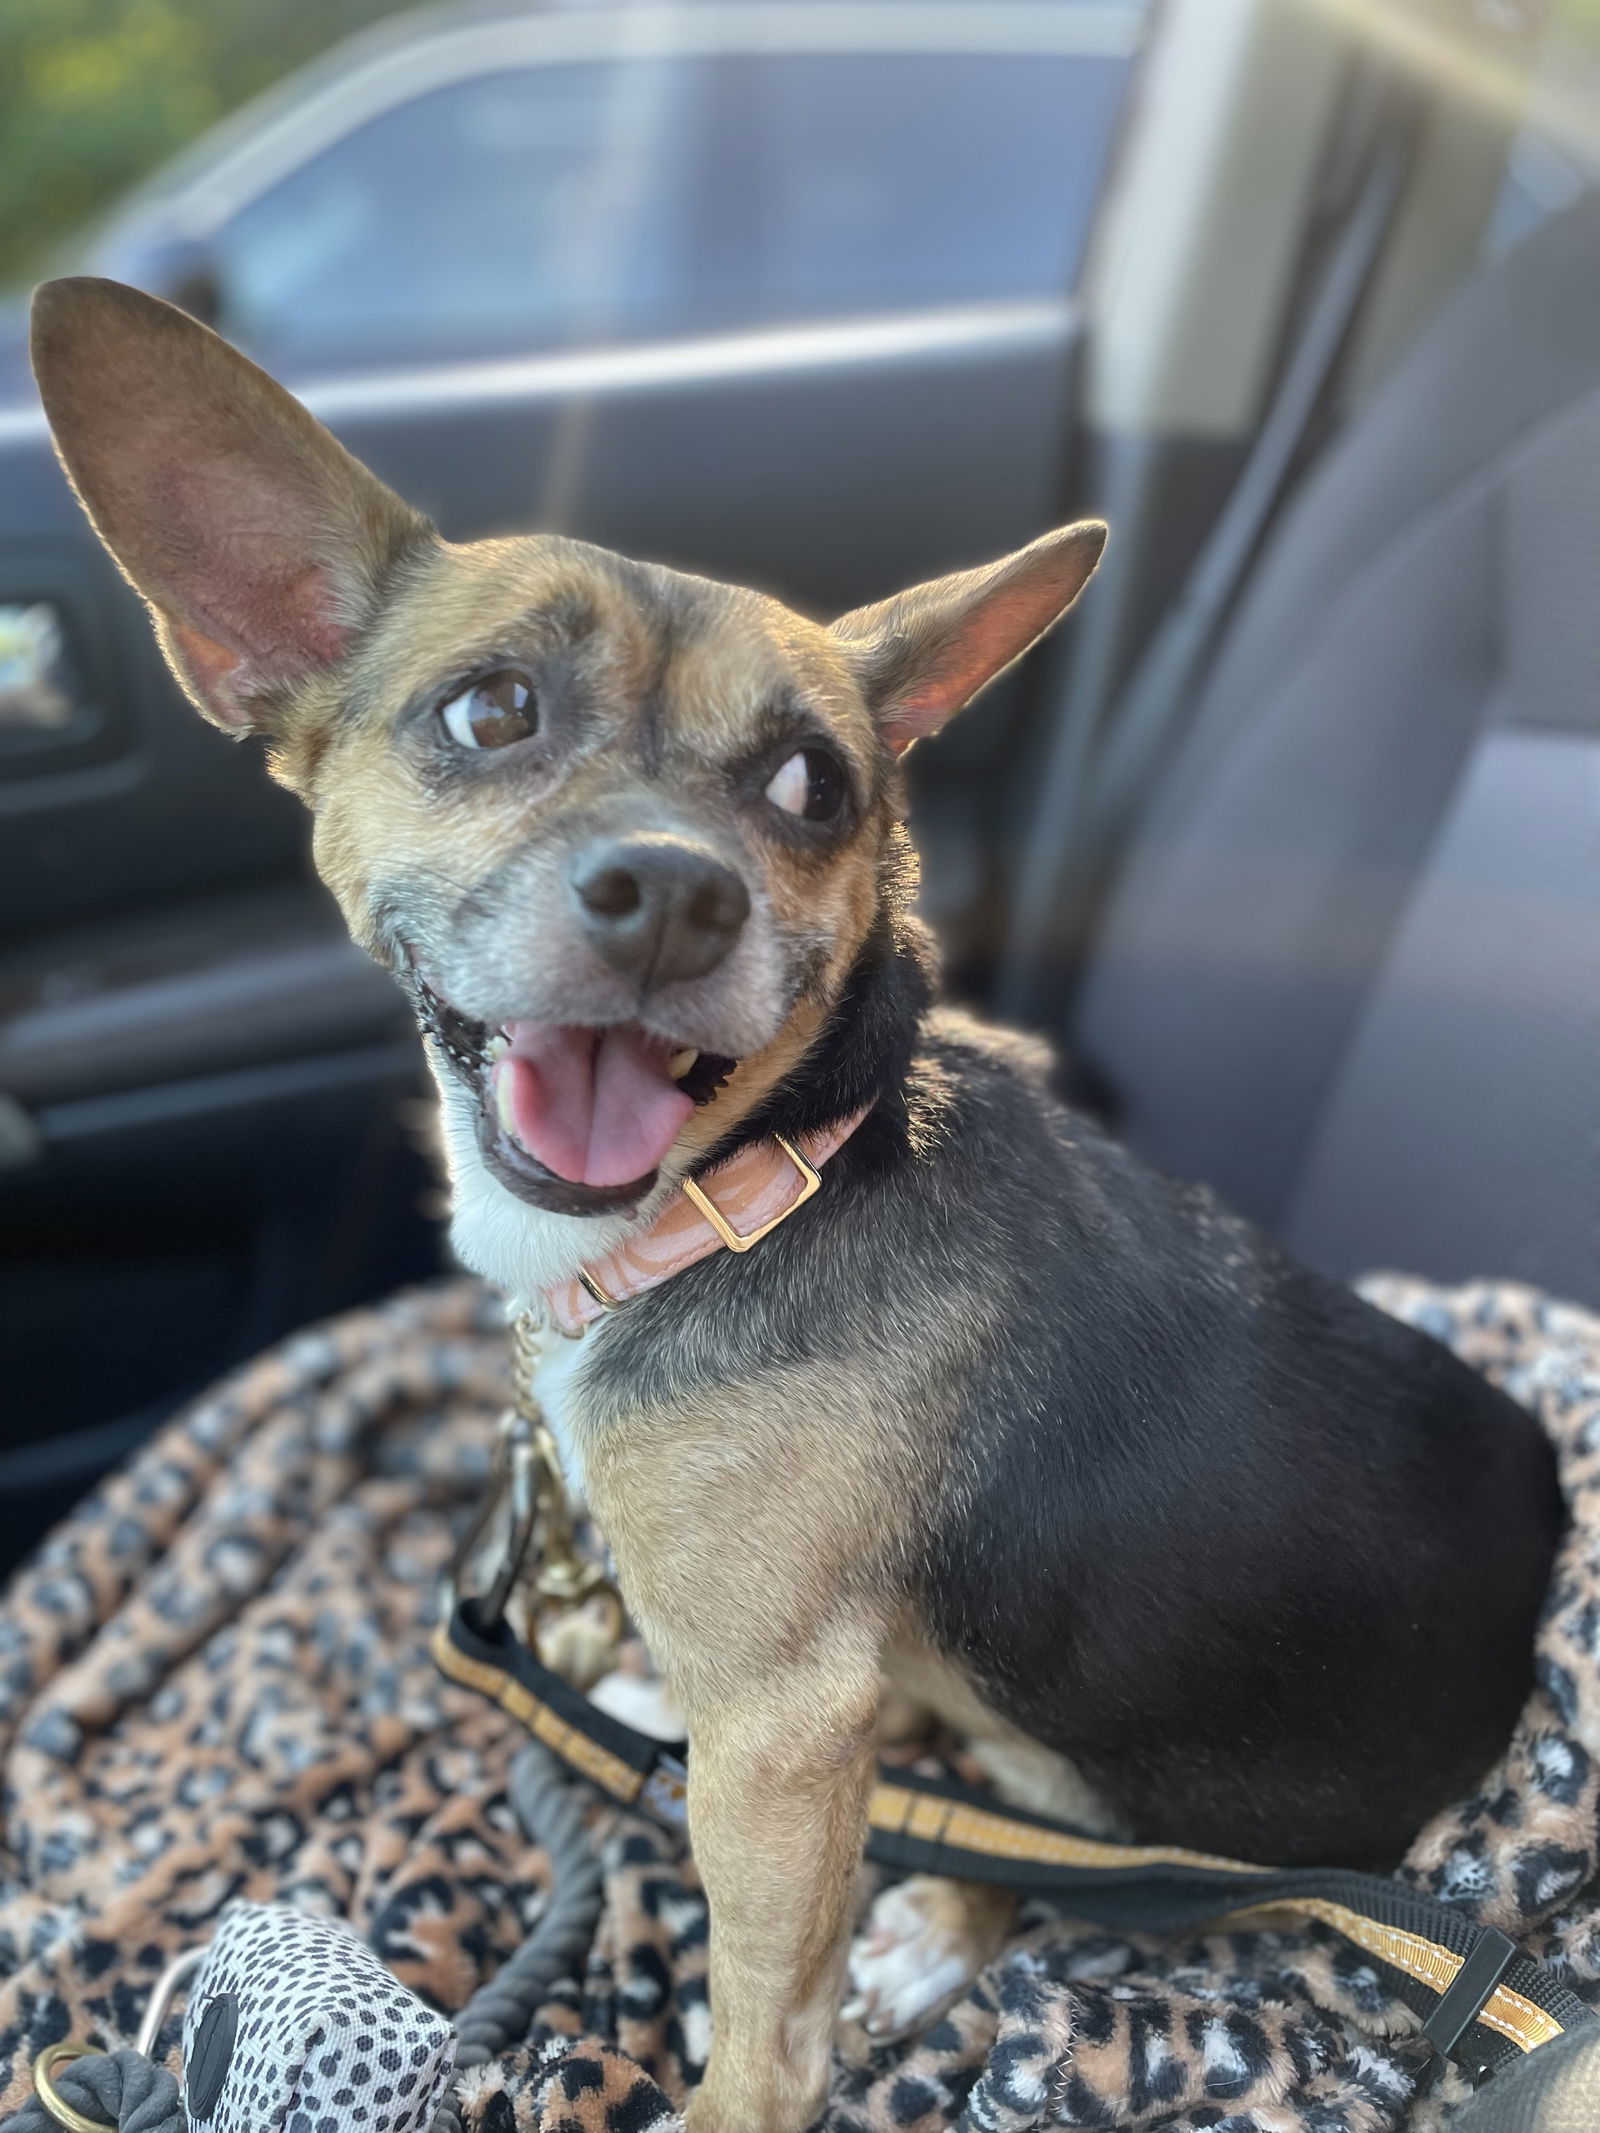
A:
x,y
1554,2090
1350,968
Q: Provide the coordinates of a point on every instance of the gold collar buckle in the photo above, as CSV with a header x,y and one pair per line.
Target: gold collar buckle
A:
x,y
810,1185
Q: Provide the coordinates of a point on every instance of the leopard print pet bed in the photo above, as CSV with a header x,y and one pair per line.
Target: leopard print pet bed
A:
x,y
215,1683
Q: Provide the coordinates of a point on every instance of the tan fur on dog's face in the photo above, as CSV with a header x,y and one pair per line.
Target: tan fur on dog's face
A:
x,y
297,597
665,703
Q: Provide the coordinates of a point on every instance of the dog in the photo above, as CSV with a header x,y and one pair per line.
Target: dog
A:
x,y
1175,1531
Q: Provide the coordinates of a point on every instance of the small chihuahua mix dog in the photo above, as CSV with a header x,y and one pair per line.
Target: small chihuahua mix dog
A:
x,y
1157,1518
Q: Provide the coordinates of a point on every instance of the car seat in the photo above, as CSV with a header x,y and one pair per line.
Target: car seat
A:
x,y
1349,967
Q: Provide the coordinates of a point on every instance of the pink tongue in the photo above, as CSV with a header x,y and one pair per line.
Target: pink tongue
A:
x,y
597,1107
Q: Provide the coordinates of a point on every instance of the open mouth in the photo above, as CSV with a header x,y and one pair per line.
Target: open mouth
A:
x,y
573,1118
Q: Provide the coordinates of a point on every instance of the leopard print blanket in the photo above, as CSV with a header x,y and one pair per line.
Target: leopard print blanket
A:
x,y
215,1682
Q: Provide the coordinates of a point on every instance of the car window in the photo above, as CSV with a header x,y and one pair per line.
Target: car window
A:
x,y
1556,154
533,208
576,205
840,182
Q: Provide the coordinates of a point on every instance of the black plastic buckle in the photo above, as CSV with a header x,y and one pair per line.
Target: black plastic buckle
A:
x,y
1466,1996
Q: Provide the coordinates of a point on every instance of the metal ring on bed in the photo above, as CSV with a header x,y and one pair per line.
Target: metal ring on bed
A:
x,y
50,2096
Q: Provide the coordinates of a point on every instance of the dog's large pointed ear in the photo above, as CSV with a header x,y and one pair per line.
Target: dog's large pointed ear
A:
x,y
925,653
260,544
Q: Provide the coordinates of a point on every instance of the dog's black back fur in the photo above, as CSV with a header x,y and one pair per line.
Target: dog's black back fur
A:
x,y
1262,1561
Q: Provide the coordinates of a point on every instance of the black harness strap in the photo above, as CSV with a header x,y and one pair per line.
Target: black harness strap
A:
x,y
1482,2001
627,1764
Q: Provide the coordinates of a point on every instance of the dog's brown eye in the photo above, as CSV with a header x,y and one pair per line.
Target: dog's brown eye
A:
x,y
810,784
493,713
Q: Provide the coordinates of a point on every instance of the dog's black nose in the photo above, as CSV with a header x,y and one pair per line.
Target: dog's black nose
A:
x,y
659,908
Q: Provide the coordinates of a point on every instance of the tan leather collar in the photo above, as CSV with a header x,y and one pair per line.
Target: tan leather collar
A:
x,y
731,1208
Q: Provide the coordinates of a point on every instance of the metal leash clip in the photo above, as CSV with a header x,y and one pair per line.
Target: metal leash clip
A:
x,y
527,1484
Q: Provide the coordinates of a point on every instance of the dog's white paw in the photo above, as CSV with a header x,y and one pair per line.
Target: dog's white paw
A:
x,y
923,1943
641,1701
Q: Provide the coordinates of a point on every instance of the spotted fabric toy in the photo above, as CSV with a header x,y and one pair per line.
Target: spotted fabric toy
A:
x,y
293,2026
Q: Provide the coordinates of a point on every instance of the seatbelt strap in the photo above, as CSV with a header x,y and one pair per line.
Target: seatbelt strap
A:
x,y
1101,777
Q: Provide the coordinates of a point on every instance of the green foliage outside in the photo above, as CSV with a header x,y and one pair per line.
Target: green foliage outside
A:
x,y
96,93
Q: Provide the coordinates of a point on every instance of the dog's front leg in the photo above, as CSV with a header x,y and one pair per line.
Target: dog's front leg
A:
x,y
778,1783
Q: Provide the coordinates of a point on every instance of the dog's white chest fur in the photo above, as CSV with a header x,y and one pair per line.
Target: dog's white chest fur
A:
x,y
519,1249
554,1387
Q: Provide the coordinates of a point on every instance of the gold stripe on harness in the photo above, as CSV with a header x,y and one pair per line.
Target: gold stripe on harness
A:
x,y
609,1771
900,1809
1430,1964
905,1810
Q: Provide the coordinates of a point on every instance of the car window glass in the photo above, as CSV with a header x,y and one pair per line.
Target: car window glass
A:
x,y
532,208
833,183
576,205
1556,153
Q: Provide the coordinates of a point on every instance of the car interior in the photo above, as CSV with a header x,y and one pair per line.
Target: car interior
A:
x,y
1290,843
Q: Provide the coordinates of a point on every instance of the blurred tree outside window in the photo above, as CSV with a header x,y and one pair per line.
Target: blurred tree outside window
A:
x,y
95,94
